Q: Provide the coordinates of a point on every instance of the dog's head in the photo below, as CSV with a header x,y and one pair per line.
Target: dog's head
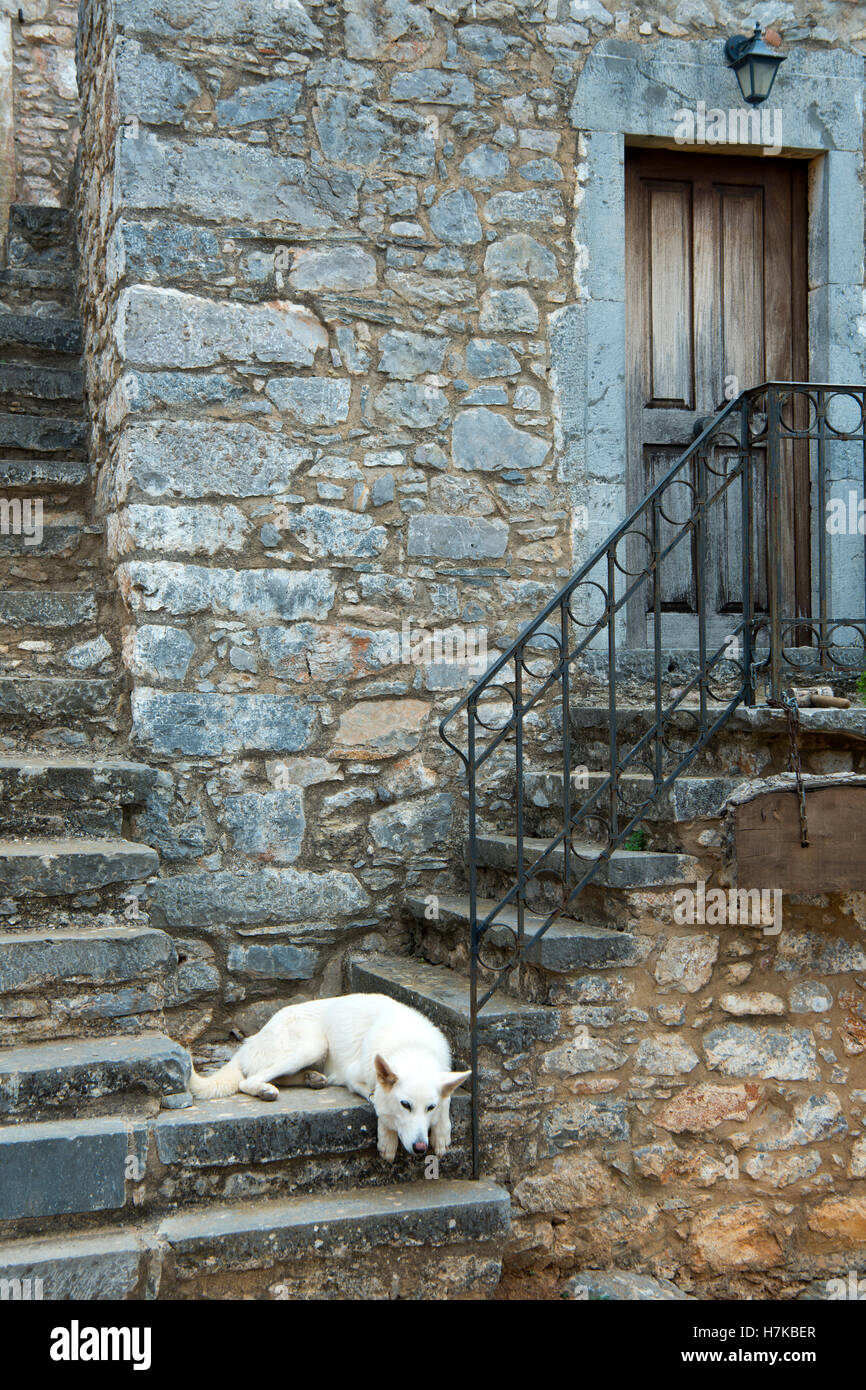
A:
x,y
412,1103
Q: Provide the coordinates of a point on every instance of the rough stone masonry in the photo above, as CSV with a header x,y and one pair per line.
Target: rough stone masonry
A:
x,y
325,251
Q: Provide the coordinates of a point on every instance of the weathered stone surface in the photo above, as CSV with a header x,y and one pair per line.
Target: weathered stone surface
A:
x,y
810,998
573,1181
706,1106
457,537
337,268
485,357
201,530
541,206
166,328
520,259
196,458
507,311
410,827
665,1055
686,962
759,1002
201,725
783,1054
578,1120
431,85
487,442
86,655
666,1163
454,219
615,1284
238,20
484,165
407,355
266,101
164,250
59,1073
418,407
159,653
333,532
272,961
818,954
62,1167
215,179
739,1236
267,825
841,1219
156,91
783,1170
585,1054
813,1119
380,729
312,400
257,897
305,652
256,595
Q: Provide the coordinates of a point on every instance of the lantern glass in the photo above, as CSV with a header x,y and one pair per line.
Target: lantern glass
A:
x,y
755,64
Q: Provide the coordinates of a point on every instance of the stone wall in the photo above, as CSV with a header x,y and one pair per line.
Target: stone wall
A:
x,y
46,101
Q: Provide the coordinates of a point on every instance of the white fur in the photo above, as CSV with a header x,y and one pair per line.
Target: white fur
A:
x,y
379,1048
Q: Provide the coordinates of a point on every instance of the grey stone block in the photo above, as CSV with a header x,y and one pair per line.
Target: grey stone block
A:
x,y
255,595
457,537
262,960
62,1167
52,1074
105,955
203,725
47,868
253,898
86,1268
197,458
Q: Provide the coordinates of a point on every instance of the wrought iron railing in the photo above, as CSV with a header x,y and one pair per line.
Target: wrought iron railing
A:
x,y
793,603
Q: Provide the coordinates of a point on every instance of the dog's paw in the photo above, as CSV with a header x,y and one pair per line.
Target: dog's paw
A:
x,y
387,1144
268,1092
440,1138
315,1080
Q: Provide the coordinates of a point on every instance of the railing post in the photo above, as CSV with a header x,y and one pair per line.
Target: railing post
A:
x,y
613,752
774,542
821,508
473,938
701,579
566,746
748,596
518,761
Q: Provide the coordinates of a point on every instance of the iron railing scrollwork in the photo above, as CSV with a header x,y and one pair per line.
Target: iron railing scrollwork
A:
x,y
716,557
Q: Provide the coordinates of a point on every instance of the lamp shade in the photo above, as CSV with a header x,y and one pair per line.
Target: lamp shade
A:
x,y
755,64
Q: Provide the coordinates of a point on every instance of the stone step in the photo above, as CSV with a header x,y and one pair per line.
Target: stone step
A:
x,y
94,955
52,278
303,1141
40,235
48,1076
421,1239
57,534
53,868
634,720
43,473
35,382
688,798
40,333
443,996
42,434
625,868
566,945
52,700
116,781
47,609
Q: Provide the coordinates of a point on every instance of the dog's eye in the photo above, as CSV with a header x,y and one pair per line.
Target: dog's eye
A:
x,y
431,1107
407,1105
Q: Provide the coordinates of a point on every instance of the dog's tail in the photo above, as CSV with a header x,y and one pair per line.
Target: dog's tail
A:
x,y
224,1082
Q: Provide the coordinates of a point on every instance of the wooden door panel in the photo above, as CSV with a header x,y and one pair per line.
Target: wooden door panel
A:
x,y
715,290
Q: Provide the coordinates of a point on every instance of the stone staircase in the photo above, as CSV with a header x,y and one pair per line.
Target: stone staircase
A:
x,y
111,1183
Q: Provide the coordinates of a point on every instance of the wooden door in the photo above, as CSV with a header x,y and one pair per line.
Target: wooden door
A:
x,y
715,297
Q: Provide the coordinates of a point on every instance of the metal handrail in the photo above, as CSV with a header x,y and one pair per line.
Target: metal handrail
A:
x,y
742,444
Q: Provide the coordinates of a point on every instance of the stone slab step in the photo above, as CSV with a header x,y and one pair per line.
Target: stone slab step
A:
x,y
94,955
80,780
566,945
102,1265
37,231
46,1076
51,608
443,996
59,1166
50,868
49,277
625,868
252,1234
67,1167
58,534
43,473
52,699
634,720
34,382
46,434
40,333
688,798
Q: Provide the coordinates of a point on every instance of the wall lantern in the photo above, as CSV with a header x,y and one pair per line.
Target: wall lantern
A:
x,y
755,64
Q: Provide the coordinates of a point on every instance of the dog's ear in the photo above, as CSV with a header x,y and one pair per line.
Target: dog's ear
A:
x,y
451,1080
384,1075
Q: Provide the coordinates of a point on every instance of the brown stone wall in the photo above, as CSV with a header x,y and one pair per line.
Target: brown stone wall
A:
x,y
46,102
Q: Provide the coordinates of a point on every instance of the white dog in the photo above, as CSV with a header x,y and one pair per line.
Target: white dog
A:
x,y
384,1051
